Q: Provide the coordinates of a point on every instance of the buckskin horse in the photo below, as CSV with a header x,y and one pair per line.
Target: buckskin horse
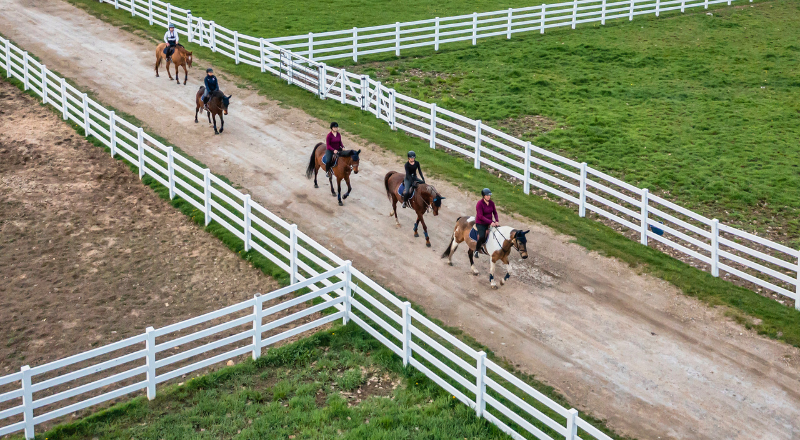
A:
x,y
498,245
217,106
425,198
346,162
181,57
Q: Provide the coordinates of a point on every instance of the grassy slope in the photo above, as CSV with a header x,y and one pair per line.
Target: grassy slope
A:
x,y
279,395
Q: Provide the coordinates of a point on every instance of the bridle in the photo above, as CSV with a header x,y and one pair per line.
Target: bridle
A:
x,y
434,193
514,242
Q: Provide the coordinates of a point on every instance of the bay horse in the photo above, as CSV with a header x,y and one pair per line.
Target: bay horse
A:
x,y
425,198
217,106
181,57
498,245
348,161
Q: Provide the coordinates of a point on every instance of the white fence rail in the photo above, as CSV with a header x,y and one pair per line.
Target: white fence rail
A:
x,y
713,245
35,395
350,43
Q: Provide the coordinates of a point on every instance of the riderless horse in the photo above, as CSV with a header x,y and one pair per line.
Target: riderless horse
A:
x,y
346,162
217,106
425,198
498,245
181,57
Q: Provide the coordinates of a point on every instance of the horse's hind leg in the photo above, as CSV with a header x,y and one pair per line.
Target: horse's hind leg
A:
x,y
215,123
472,262
208,113
196,109
168,72
339,194
316,171
394,211
330,180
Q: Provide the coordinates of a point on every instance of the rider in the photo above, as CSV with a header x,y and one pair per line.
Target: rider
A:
x,y
171,38
483,218
334,145
211,86
412,166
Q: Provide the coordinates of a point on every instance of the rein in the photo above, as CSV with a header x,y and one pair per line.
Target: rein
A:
x,y
513,242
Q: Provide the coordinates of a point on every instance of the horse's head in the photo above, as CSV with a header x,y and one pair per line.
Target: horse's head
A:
x,y
354,160
520,242
226,101
189,59
436,200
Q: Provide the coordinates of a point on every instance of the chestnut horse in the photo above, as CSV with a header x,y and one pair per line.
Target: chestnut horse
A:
x,y
181,57
425,198
498,245
347,162
217,106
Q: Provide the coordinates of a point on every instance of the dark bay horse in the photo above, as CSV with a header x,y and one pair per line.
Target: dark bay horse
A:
x,y
498,245
217,106
425,198
181,57
347,162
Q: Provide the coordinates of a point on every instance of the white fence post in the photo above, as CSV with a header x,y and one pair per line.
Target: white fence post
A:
x,y
322,79
526,186
574,12
236,46
25,81
169,13
112,130
116,4
406,333
433,126
293,254
85,102
706,5
645,202
171,172
133,9
151,363
212,30
27,401
246,210
683,5
207,194
436,35
474,28
630,17
797,287
715,247
150,11
310,45
140,143
582,208
261,53
508,33
189,32
364,91
658,6
355,44
480,385
603,13
257,326
8,58
348,293
378,96
397,38
544,14
572,425
343,96
392,109
44,84
64,109
478,144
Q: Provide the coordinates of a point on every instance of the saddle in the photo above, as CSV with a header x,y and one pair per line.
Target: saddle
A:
x,y
402,189
473,234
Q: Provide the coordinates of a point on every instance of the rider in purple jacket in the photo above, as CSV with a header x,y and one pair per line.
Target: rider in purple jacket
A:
x,y
484,211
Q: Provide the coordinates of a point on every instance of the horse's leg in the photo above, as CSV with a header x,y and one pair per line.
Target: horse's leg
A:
x,y
347,181
214,116
158,63
196,109
416,225
316,171
185,74
177,74
472,262
168,71
394,211
208,114
339,188
330,180
491,273
453,247
221,123
508,274
425,230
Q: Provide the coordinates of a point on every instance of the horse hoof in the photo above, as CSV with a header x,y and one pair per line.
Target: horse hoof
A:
x,y
333,194
316,186
340,203
494,287
416,235
475,273
449,263
427,244
216,132
221,130
345,196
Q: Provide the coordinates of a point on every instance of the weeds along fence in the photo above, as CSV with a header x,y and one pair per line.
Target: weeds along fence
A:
x,y
321,46
713,246
323,288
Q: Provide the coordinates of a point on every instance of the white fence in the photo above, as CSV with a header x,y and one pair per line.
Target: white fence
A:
x,y
715,246
321,46
35,395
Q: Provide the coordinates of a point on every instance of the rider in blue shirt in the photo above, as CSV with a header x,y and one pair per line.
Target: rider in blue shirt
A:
x,y
211,86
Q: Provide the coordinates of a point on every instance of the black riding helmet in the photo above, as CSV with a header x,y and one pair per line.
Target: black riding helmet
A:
x,y
486,192
412,154
209,70
334,124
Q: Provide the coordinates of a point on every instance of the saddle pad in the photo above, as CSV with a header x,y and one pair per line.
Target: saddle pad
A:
x,y
473,234
402,189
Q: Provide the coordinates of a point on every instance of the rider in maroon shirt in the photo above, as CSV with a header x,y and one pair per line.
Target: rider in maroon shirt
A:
x,y
334,145
484,211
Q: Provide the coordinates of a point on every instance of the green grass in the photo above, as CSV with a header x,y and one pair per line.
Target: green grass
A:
x,y
294,390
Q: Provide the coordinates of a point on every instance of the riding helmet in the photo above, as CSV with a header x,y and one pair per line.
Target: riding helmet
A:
x,y
209,70
486,192
171,26
334,124
412,154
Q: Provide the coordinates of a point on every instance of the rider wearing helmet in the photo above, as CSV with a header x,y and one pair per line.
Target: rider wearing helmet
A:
x,y
483,218
412,167
211,86
171,38
334,145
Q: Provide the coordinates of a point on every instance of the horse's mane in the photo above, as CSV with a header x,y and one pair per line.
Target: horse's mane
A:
x,y
347,153
217,93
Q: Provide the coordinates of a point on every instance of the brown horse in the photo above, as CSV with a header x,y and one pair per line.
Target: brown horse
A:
x,y
181,57
217,106
498,245
347,162
425,198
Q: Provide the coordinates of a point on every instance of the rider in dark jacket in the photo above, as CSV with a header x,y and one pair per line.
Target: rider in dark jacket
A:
x,y
211,86
412,167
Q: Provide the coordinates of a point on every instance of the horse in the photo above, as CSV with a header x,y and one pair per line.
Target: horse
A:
x,y
347,162
498,245
181,57
217,106
425,198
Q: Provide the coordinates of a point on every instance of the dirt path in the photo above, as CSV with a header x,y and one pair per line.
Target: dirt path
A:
x,y
629,348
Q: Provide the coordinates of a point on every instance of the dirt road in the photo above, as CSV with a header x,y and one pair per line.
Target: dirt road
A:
x,y
626,347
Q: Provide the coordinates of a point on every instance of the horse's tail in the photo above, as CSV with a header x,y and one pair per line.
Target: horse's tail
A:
x,y
158,60
312,163
386,183
452,239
